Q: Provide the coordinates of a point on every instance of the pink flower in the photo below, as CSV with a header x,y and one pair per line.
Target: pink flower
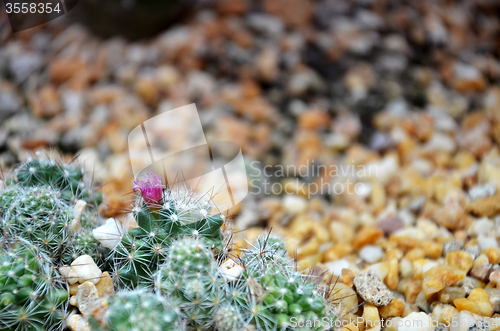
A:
x,y
151,188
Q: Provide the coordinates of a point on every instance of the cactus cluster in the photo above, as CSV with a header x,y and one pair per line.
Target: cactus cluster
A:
x,y
190,279
136,310
51,204
31,293
167,260
143,249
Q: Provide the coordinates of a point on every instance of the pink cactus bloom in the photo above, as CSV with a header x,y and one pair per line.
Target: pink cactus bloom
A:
x,y
151,188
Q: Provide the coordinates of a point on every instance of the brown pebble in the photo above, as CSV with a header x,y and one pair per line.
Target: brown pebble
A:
x,y
366,236
482,272
486,207
395,308
460,260
391,224
493,255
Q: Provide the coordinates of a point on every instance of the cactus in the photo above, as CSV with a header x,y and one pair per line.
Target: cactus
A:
x,y
31,296
42,205
162,216
38,215
136,310
66,178
190,280
272,292
84,243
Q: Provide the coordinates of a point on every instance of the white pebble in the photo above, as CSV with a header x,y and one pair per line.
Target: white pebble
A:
x,y
109,234
336,266
371,253
486,242
293,204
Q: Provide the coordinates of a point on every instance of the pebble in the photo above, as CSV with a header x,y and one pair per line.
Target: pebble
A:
x,y
416,322
9,103
372,289
391,224
77,322
452,246
110,234
82,269
474,251
86,298
371,253
482,191
479,326
482,272
486,242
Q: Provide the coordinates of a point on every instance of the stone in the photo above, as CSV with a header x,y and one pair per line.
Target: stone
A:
x,y
460,260
470,283
366,236
371,316
485,207
110,234
372,289
231,270
371,253
77,322
442,327
452,246
336,267
343,296
494,295
493,255
486,242
395,308
440,277
482,272
86,298
85,269
391,225
294,204
105,285
416,322
9,103
481,227
478,302
479,326
482,191
474,251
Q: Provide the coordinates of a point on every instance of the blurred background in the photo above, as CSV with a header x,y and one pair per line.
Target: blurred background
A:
x,y
290,81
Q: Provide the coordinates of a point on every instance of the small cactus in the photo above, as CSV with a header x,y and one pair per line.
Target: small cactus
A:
x,y
136,310
31,295
67,178
190,280
42,204
162,218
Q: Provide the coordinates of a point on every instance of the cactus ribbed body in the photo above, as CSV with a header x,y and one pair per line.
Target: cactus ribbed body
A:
x,y
190,280
137,310
31,297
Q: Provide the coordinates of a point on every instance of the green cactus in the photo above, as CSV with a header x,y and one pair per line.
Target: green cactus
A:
x,y
143,250
38,215
136,310
84,243
31,296
68,179
190,280
42,205
272,292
